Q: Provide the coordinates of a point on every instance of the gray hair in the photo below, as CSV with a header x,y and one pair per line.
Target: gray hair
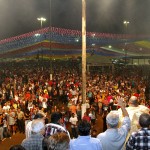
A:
x,y
112,119
37,126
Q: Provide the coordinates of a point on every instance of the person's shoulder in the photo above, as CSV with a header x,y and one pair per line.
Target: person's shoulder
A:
x,y
101,135
53,125
29,124
73,140
142,107
95,140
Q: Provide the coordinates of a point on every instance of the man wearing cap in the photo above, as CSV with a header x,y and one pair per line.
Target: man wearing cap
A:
x,y
113,138
34,142
55,125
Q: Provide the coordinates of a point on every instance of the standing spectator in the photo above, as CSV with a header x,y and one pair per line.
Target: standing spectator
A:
x,y
55,125
86,117
1,127
6,107
134,110
34,142
104,115
92,115
85,141
79,111
6,132
12,121
73,120
21,121
140,140
73,108
113,135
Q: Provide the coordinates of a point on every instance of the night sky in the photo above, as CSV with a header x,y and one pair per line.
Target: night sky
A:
x,y
20,16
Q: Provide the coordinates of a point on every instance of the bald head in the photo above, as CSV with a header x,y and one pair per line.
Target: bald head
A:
x,y
133,101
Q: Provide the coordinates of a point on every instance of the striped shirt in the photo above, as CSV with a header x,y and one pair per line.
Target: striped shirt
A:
x,y
52,128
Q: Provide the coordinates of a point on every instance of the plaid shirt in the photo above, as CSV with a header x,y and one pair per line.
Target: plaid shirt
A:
x,y
34,142
139,140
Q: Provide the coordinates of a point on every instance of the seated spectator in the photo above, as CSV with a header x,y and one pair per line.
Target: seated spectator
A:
x,y
140,139
85,141
34,142
113,135
58,141
17,147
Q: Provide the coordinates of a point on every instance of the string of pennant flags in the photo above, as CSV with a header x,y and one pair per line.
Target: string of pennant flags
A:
x,y
60,39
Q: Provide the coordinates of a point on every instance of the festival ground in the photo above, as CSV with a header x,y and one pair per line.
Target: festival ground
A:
x,y
18,137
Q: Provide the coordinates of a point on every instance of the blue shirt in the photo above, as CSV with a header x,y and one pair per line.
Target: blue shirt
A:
x,y
114,139
85,143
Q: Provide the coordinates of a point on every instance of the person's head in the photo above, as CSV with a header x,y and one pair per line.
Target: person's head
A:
x,y
84,128
112,119
38,126
133,101
17,147
72,115
144,120
58,141
94,133
39,116
56,117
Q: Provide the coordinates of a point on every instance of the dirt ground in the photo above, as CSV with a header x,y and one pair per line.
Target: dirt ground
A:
x,y
18,137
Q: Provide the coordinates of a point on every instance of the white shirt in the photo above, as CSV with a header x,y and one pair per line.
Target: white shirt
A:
x,y
28,129
73,120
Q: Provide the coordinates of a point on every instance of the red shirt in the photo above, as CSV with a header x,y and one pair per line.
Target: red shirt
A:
x,y
87,118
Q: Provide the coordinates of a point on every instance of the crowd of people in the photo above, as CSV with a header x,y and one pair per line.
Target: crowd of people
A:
x,y
48,109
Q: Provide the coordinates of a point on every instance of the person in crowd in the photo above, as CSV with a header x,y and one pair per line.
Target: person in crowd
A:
x,y
38,116
94,133
84,140
12,121
86,117
58,141
34,142
1,127
134,111
104,115
17,147
73,120
113,135
92,115
21,121
79,111
55,125
6,132
140,139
